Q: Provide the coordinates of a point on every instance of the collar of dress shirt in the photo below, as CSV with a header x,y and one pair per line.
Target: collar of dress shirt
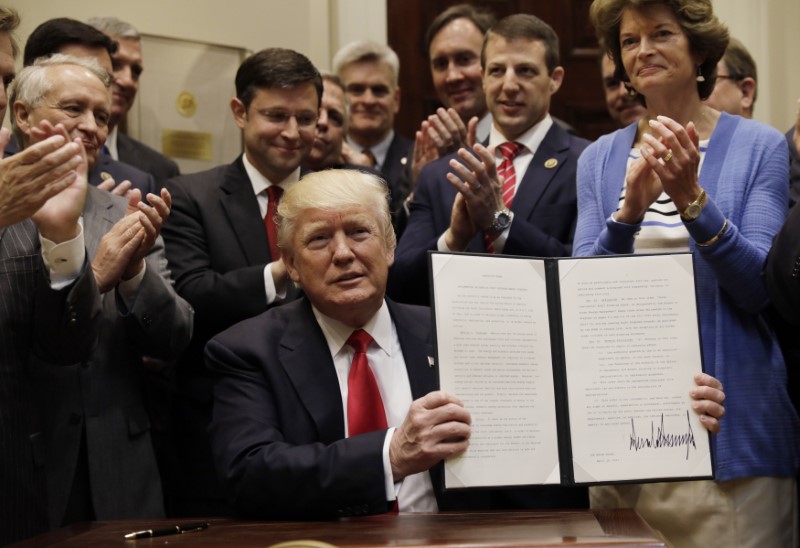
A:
x,y
379,151
484,127
336,333
531,139
260,183
111,143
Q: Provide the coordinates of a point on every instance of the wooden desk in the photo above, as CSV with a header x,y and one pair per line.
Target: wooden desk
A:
x,y
464,529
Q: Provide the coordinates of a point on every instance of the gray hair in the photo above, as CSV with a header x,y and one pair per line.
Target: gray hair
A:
x,y
114,27
334,190
364,50
32,83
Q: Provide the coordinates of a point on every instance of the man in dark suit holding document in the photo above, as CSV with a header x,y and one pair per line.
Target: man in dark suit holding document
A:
x,y
288,431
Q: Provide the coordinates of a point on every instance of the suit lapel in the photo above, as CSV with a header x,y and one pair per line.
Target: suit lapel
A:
x,y
415,341
305,357
96,175
98,218
241,208
539,176
125,149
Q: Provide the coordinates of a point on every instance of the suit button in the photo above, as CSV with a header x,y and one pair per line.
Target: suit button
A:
x,y
147,320
75,418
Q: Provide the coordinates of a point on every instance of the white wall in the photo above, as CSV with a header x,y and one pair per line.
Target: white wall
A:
x,y
314,27
769,30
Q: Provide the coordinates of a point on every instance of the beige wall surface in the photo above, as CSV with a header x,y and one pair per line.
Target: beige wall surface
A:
x,y
314,27
318,27
769,30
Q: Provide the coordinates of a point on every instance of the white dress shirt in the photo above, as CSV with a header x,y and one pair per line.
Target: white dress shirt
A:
x,y
379,151
260,184
385,357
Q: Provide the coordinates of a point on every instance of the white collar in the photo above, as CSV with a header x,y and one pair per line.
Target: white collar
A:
x,y
379,326
260,183
531,139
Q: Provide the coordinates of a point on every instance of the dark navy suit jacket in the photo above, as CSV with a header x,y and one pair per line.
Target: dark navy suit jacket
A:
x,y
277,431
107,166
545,212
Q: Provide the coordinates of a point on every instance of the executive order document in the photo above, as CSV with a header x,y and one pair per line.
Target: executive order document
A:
x,y
574,370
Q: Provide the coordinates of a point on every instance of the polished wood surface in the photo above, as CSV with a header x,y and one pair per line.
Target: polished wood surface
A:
x,y
473,529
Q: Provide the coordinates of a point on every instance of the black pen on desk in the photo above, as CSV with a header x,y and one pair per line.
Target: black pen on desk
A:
x,y
174,530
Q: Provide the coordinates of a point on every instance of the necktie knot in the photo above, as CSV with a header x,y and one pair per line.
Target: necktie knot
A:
x,y
274,193
509,150
359,340
370,156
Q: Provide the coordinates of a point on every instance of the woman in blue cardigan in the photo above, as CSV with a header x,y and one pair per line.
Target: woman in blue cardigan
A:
x,y
686,177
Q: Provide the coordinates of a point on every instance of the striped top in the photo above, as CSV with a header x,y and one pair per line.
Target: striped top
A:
x,y
662,230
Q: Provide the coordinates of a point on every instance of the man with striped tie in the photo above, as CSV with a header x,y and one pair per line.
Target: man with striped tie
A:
x,y
516,194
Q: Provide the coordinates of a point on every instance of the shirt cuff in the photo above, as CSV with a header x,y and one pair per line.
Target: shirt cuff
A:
x,y
128,289
64,261
391,487
269,285
500,242
441,245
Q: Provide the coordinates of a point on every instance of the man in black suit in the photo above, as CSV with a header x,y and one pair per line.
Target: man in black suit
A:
x,y
128,67
224,259
63,35
369,72
48,296
461,204
287,433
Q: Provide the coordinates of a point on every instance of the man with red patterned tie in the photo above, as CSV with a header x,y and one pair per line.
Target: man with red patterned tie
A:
x,y
222,245
329,406
517,196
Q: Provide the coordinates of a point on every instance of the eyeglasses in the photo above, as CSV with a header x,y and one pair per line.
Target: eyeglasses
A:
x,y
281,118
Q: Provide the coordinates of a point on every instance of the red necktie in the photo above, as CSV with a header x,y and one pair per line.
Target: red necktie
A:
x,y
274,194
365,411
509,150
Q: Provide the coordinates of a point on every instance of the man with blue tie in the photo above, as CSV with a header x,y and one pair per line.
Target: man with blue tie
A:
x,y
517,196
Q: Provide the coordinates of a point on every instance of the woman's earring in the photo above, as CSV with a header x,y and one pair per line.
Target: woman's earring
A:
x,y
632,92
700,77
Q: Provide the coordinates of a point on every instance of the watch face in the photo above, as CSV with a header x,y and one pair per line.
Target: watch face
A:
x,y
502,220
693,211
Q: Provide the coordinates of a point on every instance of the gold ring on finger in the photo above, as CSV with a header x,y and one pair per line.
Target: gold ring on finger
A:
x,y
668,156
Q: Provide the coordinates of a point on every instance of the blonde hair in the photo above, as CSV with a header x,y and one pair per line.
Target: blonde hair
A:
x,y
333,190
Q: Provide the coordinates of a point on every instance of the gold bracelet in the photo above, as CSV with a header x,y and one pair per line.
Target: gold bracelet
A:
x,y
722,231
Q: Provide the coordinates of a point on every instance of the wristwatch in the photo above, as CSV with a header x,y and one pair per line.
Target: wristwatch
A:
x,y
693,210
501,220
